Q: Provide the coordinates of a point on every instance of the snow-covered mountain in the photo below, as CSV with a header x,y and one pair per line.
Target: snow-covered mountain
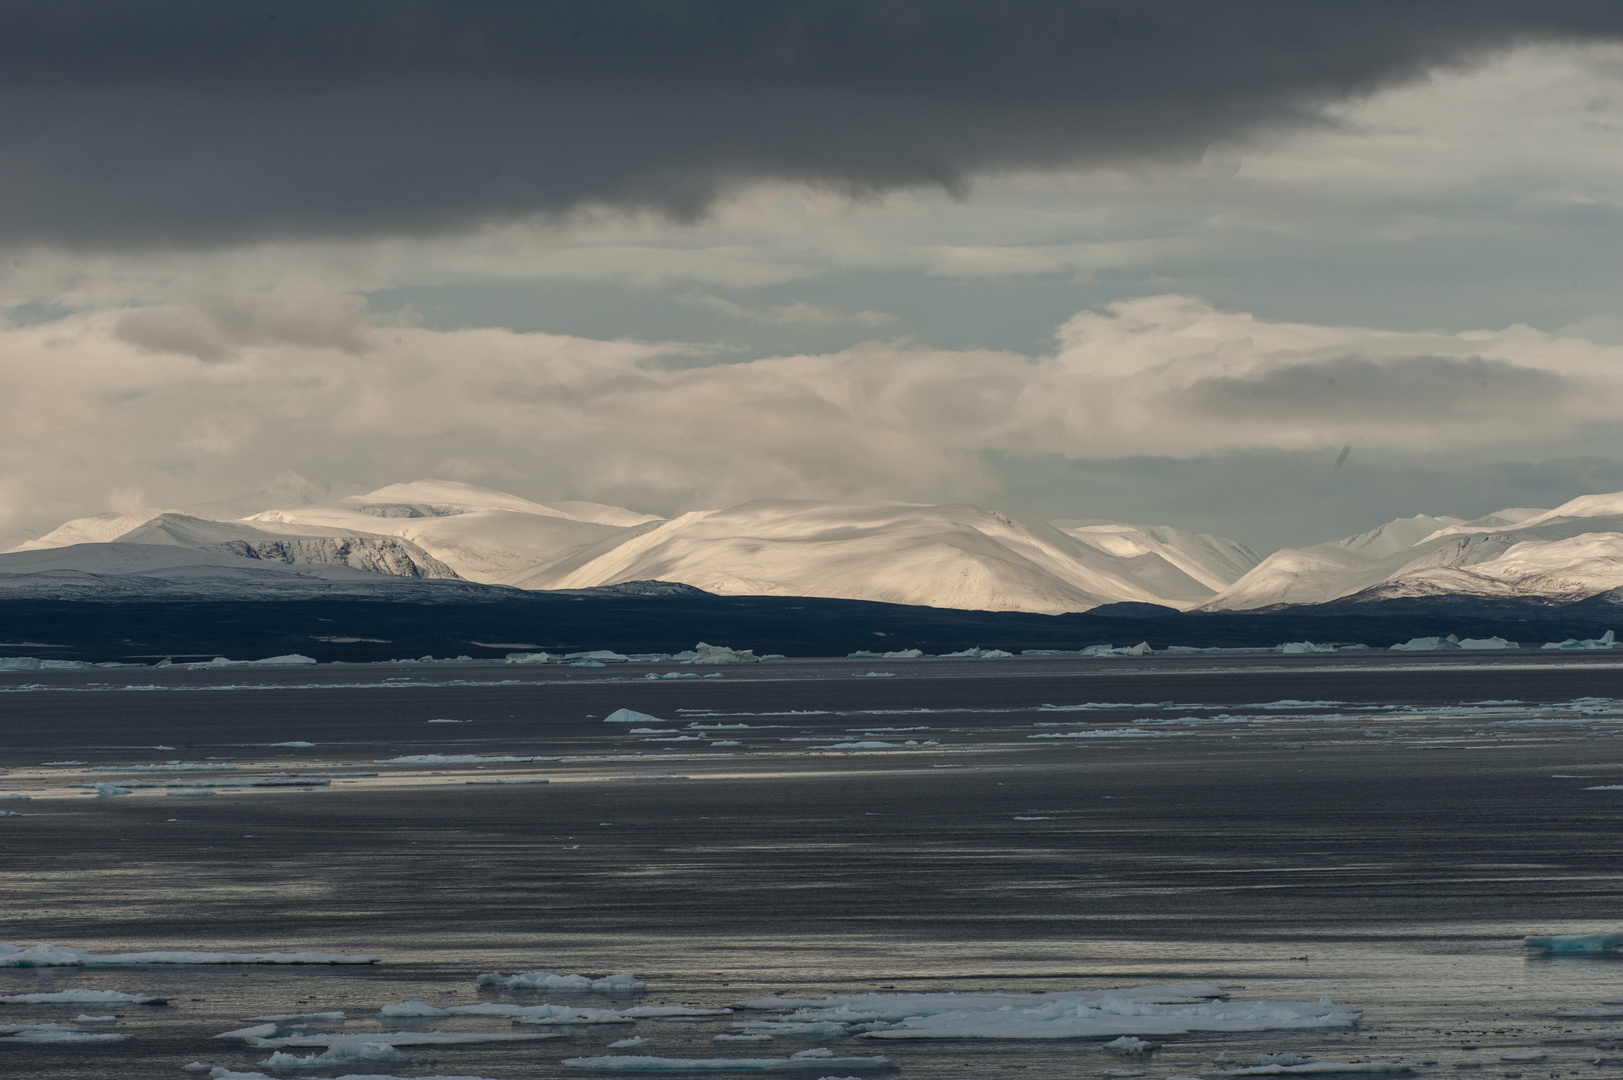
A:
x,y
943,556
954,556
1570,552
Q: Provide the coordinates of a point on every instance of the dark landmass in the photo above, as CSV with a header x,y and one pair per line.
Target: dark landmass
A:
x,y
656,617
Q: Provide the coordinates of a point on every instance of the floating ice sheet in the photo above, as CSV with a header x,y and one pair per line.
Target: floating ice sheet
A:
x,y
275,1036
551,980
217,1072
1575,943
458,759
66,956
54,1033
819,1058
1316,1067
519,1014
1097,1014
84,997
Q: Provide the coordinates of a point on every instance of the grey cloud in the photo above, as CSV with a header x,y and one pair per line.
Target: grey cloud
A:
x,y
216,328
1402,390
195,122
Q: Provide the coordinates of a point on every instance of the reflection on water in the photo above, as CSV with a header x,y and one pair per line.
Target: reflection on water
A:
x,y
1380,835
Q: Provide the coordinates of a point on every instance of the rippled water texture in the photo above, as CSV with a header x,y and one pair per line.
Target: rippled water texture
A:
x,y
1378,830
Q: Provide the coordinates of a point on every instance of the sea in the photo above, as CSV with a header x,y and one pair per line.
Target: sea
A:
x,y
1215,865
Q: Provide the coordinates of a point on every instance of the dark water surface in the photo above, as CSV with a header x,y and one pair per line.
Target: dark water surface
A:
x,y
1380,829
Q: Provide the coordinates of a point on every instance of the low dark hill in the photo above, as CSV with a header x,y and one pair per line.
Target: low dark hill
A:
x,y
669,619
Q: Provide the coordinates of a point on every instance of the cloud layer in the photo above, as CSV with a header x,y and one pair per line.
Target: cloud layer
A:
x,y
93,408
198,123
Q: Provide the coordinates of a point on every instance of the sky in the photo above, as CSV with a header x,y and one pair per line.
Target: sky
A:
x,y
1276,271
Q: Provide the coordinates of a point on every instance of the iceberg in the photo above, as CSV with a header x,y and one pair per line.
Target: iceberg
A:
x,y
66,956
1427,644
601,656
285,660
295,744
527,658
1575,943
1096,1014
1107,733
631,716
624,982
1495,642
1607,640
365,1052
720,654
820,1058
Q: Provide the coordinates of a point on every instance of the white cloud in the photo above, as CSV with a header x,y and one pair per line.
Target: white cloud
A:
x,y
618,421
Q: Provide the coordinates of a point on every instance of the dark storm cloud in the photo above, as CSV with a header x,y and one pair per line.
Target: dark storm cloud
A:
x,y
1402,390
213,122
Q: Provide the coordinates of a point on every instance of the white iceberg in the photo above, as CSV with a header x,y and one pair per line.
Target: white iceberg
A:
x,y
720,654
364,1052
1428,644
1096,1014
66,956
1607,640
623,982
632,716
285,660
1574,943
527,658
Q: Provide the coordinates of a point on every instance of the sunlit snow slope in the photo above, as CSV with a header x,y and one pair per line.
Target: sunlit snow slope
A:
x,y
954,556
1573,551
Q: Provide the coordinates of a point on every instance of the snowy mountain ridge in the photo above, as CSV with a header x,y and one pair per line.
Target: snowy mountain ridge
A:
x,y
949,556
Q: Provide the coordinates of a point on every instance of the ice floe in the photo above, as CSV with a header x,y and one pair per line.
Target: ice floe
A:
x,y
218,1072
169,766
819,1058
1106,733
335,1017
1320,1068
1574,943
519,1014
84,997
276,1036
626,1044
620,983
349,1053
66,956
295,744
1096,1014
458,759
54,1033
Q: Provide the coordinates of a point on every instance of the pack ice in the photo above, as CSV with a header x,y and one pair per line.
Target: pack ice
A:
x,y
83,997
1095,1014
819,1058
551,980
1574,943
54,1033
66,956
